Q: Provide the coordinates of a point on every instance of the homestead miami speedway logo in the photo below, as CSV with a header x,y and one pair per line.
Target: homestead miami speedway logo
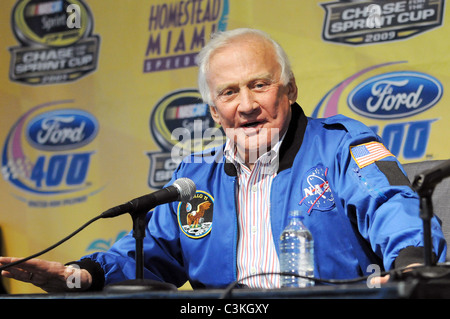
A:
x,y
56,42
178,29
47,155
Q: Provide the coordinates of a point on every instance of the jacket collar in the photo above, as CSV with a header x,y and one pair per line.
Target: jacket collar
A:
x,y
291,143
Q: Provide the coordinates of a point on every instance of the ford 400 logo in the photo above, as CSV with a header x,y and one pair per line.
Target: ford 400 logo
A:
x,y
62,130
395,95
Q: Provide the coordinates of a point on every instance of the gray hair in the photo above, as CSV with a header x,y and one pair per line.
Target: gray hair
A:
x,y
221,39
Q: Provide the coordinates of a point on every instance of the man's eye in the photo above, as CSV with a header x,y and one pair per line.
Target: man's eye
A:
x,y
260,85
226,93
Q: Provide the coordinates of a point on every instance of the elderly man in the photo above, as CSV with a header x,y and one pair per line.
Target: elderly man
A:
x,y
357,202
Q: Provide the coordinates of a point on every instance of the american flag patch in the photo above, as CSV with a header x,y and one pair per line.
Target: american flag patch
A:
x,y
368,153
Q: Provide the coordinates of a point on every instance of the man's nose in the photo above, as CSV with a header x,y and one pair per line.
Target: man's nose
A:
x,y
247,103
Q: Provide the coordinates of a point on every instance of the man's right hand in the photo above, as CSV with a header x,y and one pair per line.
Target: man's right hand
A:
x,y
48,275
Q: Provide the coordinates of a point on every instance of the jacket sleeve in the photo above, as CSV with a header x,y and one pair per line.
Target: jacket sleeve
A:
x,y
379,200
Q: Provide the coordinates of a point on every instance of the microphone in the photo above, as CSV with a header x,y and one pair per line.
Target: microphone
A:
x,y
430,178
183,189
424,185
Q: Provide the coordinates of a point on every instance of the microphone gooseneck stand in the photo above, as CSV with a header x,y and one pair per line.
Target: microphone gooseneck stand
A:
x,y
138,217
424,184
425,188
183,189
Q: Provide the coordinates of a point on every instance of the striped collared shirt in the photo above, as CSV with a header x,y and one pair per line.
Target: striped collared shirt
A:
x,y
256,251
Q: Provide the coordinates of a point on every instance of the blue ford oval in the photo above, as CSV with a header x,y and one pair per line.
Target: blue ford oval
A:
x,y
395,95
62,130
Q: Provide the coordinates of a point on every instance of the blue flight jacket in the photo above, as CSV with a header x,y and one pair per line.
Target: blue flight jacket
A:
x,y
357,216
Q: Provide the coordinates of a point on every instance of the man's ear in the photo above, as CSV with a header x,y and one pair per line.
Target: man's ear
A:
x,y
214,114
292,91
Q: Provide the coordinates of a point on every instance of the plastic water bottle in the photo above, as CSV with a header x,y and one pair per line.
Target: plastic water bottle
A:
x,y
297,252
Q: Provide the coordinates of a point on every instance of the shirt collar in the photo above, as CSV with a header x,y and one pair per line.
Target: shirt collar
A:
x,y
268,160
291,145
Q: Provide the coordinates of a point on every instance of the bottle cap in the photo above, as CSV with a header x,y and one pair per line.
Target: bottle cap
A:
x,y
296,214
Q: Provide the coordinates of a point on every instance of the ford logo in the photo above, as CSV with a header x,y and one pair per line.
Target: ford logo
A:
x,y
395,95
62,130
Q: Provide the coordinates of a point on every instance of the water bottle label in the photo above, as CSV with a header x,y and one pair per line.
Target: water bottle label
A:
x,y
315,189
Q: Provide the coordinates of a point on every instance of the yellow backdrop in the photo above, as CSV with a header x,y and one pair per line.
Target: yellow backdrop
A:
x,y
90,92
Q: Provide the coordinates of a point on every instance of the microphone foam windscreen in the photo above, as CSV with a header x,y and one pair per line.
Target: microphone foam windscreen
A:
x,y
186,187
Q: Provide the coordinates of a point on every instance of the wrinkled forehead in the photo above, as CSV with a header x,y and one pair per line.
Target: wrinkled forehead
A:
x,y
250,48
247,41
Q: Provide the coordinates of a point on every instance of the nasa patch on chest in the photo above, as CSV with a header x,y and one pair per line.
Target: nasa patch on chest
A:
x,y
315,190
195,217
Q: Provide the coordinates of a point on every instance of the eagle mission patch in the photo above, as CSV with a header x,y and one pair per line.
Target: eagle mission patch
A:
x,y
195,217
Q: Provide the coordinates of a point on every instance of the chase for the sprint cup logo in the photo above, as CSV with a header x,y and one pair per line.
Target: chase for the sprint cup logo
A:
x,y
368,22
47,155
56,42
